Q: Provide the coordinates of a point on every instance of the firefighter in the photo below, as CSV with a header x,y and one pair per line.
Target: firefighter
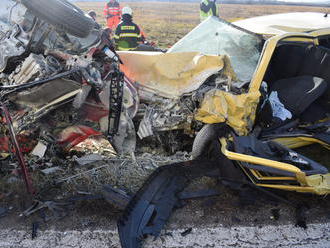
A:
x,y
112,12
208,8
128,35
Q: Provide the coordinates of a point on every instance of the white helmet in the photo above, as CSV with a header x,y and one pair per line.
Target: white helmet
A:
x,y
127,10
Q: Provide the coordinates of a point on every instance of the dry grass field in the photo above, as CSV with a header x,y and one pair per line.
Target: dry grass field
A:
x,y
167,22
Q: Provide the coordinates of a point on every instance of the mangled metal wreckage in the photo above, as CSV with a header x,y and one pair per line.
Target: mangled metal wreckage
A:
x,y
250,98
174,85
57,65
272,96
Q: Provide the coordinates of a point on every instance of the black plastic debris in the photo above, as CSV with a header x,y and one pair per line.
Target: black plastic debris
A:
x,y
116,197
275,214
149,210
234,219
35,227
186,232
301,217
3,212
187,195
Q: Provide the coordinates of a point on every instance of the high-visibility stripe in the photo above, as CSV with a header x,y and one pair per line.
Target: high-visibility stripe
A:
x,y
129,35
127,27
112,10
125,48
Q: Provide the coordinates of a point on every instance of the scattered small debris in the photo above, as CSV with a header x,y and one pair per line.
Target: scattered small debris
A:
x,y
275,214
186,232
51,170
3,212
301,216
88,159
116,197
35,227
58,209
235,219
168,234
39,150
12,179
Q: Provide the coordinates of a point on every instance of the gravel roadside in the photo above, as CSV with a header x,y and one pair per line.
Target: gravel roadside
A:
x,y
316,236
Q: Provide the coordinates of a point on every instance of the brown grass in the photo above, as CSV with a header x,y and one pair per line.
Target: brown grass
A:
x,y
166,22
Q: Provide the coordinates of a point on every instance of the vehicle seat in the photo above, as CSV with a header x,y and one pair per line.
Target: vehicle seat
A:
x,y
298,93
294,60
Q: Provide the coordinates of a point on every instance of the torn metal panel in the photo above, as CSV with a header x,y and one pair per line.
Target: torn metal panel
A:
x,y
238,111
173,74
51,92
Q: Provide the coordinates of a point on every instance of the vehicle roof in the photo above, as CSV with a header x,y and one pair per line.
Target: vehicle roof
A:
x,y
285,23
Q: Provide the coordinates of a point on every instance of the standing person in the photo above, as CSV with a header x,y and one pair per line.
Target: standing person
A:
x,y
208,8
112,12
128,35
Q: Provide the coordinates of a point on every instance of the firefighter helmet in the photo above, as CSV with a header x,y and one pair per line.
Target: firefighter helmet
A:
x,y
127,10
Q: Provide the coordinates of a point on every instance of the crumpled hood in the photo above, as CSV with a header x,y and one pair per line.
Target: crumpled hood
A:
x,y
173,74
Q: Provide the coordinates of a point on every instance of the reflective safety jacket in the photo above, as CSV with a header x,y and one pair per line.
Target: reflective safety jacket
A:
x,y
112,9
208,8
112,13
128,34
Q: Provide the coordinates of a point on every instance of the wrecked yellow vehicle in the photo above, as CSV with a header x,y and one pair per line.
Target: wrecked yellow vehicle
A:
x,y
271,94
275,89
288,103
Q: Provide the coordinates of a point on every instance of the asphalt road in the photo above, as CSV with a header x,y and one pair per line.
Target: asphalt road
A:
x,y
316,236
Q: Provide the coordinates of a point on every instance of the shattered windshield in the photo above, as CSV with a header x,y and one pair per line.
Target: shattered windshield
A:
x,y
218,37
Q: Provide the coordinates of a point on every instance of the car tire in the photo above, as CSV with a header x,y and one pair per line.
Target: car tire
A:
x,y
204,139
63,15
